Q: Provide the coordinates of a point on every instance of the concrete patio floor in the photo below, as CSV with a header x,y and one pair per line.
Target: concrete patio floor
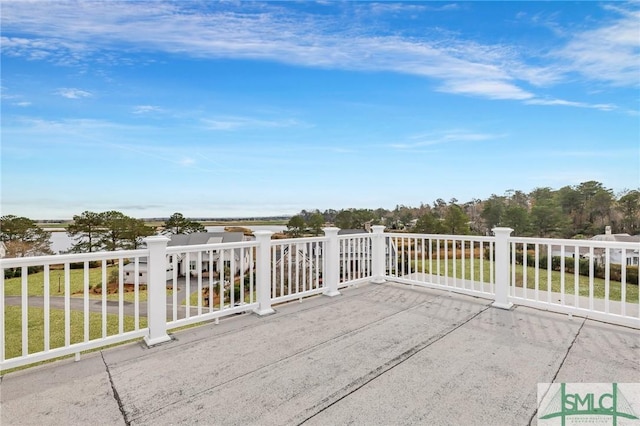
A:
x,y
376,355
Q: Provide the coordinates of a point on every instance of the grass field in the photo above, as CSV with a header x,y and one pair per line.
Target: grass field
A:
x,y
599,288
13,328
35,284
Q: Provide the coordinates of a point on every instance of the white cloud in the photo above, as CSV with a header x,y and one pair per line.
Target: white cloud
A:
x,y
236,123
445,137
65,31
489,89
609,53
23,104
561,102
71,93
144,109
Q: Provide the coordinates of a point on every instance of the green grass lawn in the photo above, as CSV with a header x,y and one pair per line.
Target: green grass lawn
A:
x,y
13,328
35,286
615,287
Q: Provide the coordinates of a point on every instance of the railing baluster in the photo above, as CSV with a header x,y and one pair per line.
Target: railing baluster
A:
x,y
524,270
472,259
85,299
514,284
607,278
242,273
211,303
24,275
492,267
136,293
67,305
537,271
120,295
199,283
103,297
549,271
623,283
174,286
576,276
454,259
47,313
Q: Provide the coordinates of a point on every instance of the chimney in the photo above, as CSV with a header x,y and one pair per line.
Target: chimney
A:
x,y
607,230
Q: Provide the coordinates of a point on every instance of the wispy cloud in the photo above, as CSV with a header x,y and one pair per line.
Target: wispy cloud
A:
x,y
23,104
446,137
608,53
71,93
561,102
236,123
495,89
272,32
145,109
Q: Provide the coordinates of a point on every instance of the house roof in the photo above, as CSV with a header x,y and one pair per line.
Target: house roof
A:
x,y
205,238
622,238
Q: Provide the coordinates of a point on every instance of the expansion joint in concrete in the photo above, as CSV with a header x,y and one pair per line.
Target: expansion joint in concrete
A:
x,y
374,374
116,396
553,380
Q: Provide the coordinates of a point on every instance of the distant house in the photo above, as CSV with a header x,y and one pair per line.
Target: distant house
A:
x,y
211,260
213,264
630,257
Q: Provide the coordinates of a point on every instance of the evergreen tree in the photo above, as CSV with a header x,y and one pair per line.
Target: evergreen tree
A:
x,y
86,229
178,224
22,237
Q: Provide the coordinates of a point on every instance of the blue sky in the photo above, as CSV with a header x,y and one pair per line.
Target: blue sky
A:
x,y
266,108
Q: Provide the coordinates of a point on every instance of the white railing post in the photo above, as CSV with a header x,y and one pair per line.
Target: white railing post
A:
x,y
377,255
502,263
263,272
332,259
157,290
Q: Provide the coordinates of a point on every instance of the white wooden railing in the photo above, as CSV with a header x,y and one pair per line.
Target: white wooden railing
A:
x,y
58,311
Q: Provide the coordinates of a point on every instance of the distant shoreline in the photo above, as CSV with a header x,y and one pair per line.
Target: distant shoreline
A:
x,y
58,226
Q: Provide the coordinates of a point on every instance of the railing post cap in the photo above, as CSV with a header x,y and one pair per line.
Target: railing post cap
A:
x,y
330,230
263,234
378,229
157,239
502,230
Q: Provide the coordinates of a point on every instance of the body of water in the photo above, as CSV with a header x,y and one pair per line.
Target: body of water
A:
x,y
60,241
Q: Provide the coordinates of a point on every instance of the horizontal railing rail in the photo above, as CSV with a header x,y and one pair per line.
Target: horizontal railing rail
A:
x,y
53,306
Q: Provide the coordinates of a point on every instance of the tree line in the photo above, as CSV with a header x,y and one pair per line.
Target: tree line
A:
x,y
91,231
579,211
